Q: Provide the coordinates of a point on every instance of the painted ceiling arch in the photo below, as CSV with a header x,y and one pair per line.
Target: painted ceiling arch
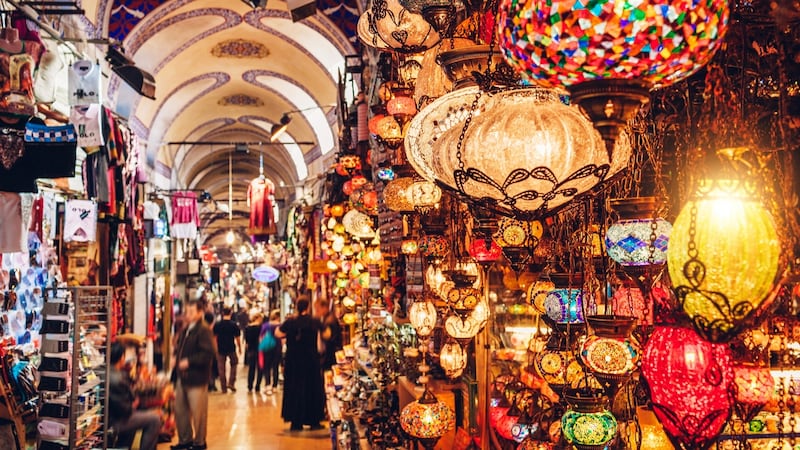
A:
x,y
226,72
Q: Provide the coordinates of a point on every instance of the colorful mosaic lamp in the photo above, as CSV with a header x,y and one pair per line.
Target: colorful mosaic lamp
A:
x,y
723,256
690,384
588,424
609,53
427,419
753,388
611,353
565,303
638,239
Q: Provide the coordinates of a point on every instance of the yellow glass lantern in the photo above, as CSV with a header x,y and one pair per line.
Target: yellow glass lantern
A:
x,y
422,315
453,359
395,194
723,256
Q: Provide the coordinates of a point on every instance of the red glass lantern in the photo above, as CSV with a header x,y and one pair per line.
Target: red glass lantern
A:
x,y
485,251
358,181
689,381
753,386
347,187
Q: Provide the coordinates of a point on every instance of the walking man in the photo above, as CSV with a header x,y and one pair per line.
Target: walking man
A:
x,y
228,348
194,355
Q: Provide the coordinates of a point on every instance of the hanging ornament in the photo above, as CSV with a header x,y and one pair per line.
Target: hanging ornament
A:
x,y
485,251
637,239
723,256
566,303
588,424
753,388
611,353
689,380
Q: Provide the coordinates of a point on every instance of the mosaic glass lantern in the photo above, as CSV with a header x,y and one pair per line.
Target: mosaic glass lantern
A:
x,y
537,293
723,257
409,247
427,419
424,195
485,251
365,199
690,381
565,303
526,155
637,239
588,424
610,54
337,210
373,123
463,299
395,197
386,174
556,364
390,131
387,25
434,247
462,329
422,315
402,107
453,359
753,387
611,353
358,224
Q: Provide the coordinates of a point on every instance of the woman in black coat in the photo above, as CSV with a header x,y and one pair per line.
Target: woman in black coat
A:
x,y
303,393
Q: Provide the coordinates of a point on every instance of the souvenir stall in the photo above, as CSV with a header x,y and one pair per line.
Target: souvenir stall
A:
x,y
532,248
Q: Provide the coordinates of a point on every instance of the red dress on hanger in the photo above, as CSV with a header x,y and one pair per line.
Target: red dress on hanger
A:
x,y
260,195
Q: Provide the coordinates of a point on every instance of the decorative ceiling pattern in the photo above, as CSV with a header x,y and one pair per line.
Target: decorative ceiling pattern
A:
x,y
240,48
240,100
226,73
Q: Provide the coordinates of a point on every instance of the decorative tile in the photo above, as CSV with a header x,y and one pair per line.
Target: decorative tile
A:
x,y
240,100
240,48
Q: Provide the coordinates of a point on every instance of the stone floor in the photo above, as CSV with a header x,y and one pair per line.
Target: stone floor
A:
x,y
244,421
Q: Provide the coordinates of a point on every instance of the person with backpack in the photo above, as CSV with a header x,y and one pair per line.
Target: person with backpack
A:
x,y
271,350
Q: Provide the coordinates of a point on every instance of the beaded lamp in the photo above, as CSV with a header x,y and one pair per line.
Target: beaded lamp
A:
x,y
690,381
609,54
723,256
629,239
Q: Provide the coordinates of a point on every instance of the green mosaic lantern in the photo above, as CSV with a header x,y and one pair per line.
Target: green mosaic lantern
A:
x,y
587,424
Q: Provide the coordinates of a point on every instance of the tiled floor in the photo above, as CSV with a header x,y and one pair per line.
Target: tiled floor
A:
x,y
243,421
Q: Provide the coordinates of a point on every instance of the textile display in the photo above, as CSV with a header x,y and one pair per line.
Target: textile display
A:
x,y
185,216
260,197
80,221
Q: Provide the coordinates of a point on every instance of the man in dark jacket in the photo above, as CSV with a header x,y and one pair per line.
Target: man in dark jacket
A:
x,y
193,357
122,403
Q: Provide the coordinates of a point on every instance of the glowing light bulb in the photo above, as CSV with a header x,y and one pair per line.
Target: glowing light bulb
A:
x,y
230,237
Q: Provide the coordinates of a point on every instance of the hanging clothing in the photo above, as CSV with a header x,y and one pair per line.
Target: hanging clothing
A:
x,y
13,234
84,83
16,79
260,194
185,216
80,221
88,122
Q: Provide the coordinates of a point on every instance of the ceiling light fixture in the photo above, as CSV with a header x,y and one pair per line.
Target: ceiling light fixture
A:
x,y
279,128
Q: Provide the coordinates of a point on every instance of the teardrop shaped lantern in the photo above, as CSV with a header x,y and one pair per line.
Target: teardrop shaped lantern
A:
x,y
723,256
690,381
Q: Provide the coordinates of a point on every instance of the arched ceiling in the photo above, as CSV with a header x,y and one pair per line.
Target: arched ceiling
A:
x,y
226,72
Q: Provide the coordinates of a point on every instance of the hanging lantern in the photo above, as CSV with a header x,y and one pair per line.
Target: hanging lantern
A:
x,y
629,301
424,195
434,247
390,132
753,387
387,25
395,195
432,82
402,107
485,251
587,424
347,187
437,282
358,224
611,353
409,247
358,181
453,359
409,71
337,210
723,257
463,299
565,303
422,315
637,238
527,155
365,199
386,174
462,329
373,123
427,419
610,54
505,424
689,380
350,163
537,293
556,364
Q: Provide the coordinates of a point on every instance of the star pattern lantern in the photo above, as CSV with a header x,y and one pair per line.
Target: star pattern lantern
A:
x,y
387,25
638,239
526,155
427,419
609,54
588,424
690,381
723,257
390,132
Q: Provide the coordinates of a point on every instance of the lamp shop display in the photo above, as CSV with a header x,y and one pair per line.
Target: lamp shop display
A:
x,y
560,234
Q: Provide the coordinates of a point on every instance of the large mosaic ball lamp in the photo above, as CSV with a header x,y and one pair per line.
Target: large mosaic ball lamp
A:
x,y
427,419
610,53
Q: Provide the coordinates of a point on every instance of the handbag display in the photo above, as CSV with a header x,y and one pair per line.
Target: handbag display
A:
x,y
55,148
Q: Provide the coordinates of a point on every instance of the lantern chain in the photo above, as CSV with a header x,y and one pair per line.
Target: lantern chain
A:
x,y
782,392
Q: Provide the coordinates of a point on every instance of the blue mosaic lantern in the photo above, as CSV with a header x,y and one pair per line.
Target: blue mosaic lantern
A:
x,y
565,303
628,240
